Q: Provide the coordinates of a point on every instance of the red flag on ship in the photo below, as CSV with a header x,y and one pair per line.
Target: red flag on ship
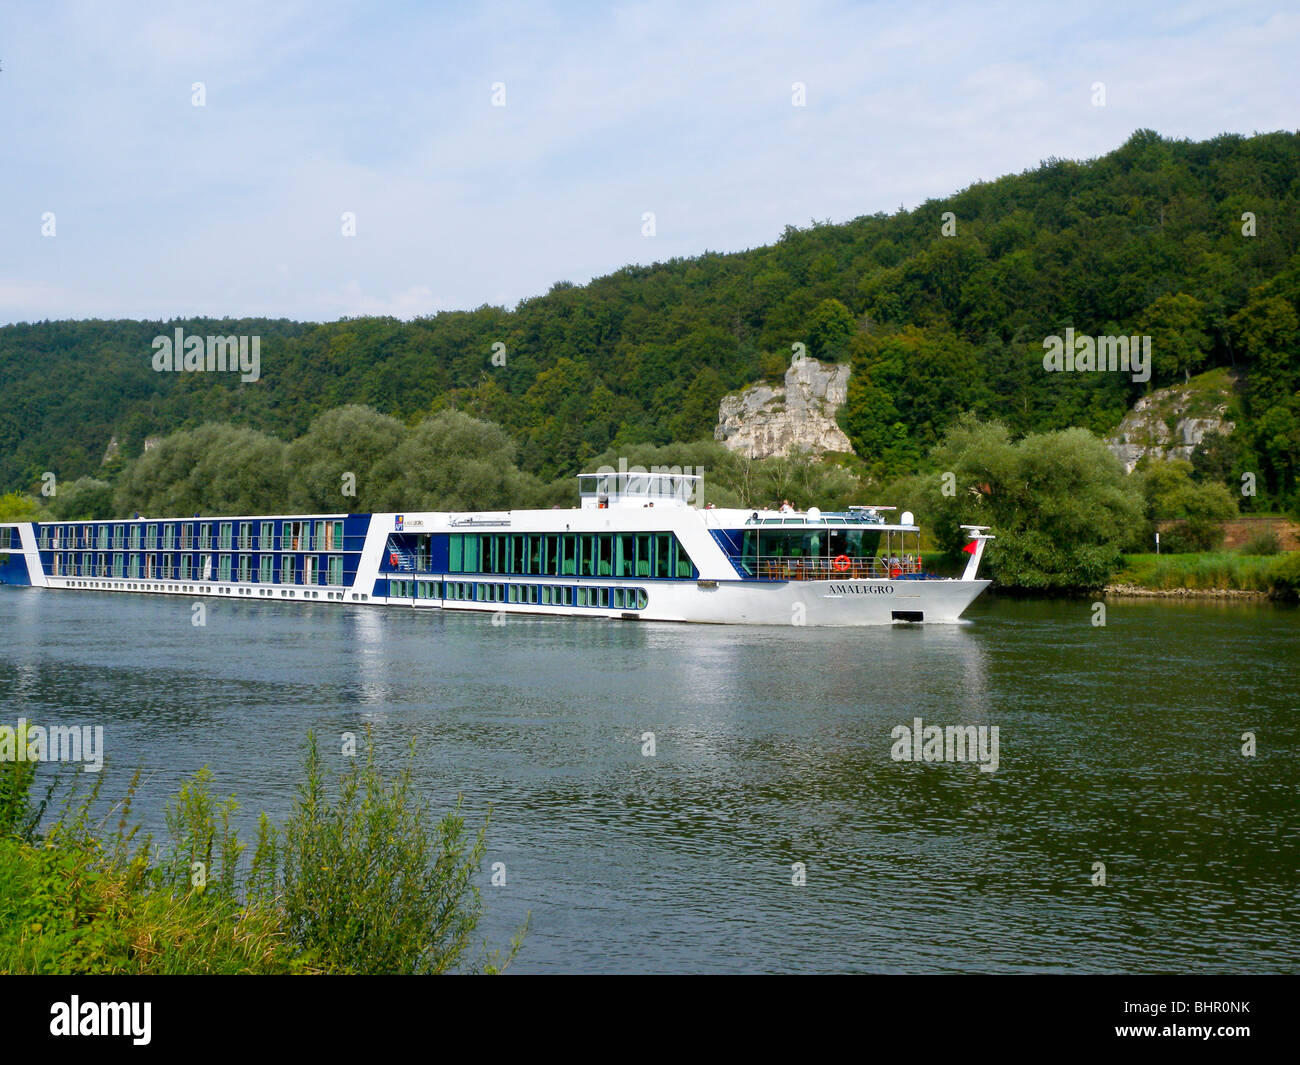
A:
x,y
970,547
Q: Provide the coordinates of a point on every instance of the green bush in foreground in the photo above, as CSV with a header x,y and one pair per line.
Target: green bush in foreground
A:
x,y
362,881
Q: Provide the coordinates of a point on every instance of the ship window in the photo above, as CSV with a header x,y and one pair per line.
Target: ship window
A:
x,y
624,554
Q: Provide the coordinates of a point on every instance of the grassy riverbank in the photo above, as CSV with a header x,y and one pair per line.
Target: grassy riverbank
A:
x,y
360,879
1210,572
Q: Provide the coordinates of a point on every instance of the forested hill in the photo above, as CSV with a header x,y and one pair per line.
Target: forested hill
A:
x,y
1148,239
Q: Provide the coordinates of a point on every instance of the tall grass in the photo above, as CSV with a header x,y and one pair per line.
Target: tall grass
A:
x,y
1206,571
360,879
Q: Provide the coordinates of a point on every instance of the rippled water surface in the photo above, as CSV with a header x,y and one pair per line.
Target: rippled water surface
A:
x,y
1119,745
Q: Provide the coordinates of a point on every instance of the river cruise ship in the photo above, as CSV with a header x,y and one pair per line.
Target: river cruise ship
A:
x,y
637,548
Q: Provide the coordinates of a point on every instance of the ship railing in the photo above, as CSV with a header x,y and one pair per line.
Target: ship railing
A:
x,y
402,560
838,568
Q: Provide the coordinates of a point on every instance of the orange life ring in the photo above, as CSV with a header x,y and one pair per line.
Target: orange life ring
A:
x,y
841,563
392,558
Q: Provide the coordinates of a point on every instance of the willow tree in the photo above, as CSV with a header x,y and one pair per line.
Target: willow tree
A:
x,y
1059,503
214,469
335,465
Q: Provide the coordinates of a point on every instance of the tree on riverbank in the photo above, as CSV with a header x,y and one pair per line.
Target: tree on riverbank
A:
x,y
1058,503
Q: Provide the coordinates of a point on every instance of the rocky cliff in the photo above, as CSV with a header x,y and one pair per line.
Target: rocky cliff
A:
x,y
766,420
1170,423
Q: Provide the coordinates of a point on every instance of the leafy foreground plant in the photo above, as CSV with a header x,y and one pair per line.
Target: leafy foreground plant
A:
x,y
367,882
364,881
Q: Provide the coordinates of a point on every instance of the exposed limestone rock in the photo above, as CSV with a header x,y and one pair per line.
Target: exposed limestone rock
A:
x,y
1170,423
111,452
763,421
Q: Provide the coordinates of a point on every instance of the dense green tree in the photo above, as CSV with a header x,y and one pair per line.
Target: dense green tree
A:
x,y
1267,332
214,469
86,499
906,387
830,327
332,467
15,506
1176,325
1198,507
1058,503
450,461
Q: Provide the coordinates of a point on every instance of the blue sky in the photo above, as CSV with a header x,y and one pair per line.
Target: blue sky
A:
x,y
164,209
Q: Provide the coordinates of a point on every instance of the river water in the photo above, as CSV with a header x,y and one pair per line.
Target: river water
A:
x,y
1118,744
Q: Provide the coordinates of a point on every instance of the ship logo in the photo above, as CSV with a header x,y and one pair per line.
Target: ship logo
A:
x,y
398,522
